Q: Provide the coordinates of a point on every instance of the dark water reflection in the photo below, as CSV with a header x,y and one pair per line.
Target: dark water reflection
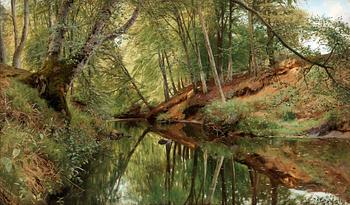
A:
x,y
189,167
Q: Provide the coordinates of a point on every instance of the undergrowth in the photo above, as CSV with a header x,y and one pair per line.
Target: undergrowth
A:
x,y
40,152
292,111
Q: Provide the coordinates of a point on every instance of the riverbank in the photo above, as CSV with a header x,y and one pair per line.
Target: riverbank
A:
x,y
284,101
41,154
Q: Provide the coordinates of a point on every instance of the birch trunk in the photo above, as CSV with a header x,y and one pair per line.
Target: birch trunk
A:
x,y
211,56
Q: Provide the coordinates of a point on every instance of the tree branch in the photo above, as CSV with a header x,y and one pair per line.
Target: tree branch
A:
x,y
124,29
280,39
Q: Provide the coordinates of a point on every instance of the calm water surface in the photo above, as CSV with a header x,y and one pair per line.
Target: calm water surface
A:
x,y
181,164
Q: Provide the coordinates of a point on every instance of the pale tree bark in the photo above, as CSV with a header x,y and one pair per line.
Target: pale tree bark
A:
x,y
20,46
201,71
214,180
230,62
210,54
252,54
2,46
161,63
170,72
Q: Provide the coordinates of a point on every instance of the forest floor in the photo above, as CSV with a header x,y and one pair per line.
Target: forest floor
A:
x,y
40,153
283,101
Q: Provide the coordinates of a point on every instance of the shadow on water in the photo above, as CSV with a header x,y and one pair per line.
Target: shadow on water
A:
x,y
180,164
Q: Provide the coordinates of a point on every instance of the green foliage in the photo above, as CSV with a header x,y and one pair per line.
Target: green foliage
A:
x,y
258,126
226,113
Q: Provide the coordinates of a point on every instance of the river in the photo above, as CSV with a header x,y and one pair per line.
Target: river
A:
x,y
181,164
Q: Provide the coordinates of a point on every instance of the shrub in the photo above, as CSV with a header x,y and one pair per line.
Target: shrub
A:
x,y
226,113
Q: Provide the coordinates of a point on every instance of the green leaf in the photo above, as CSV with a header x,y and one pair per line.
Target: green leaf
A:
x,y
7,163
15,153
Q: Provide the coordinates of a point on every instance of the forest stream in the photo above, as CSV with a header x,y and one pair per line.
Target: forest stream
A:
x,y
180,164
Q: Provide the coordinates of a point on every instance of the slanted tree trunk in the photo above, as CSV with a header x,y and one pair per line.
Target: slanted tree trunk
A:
x,y
214,180
161,63
19,48
2,46
134,84
229,64
252,53
211,56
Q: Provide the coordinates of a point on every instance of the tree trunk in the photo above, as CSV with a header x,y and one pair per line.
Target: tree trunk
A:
x,y
201,71
274,192
210,54
164,75
191,197
223,186
170,72
229,64
133,82
233,182
252,54
2,46
214,180
269,47
205,165
18,51
254,183
14,22
220,40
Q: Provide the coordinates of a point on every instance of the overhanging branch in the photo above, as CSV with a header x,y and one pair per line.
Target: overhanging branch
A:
x,y
280,39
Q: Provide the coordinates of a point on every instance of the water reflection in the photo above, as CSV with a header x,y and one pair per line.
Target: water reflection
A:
x,y
192,168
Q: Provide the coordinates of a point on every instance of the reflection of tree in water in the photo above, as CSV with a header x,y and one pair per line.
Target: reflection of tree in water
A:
x,y
141,171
